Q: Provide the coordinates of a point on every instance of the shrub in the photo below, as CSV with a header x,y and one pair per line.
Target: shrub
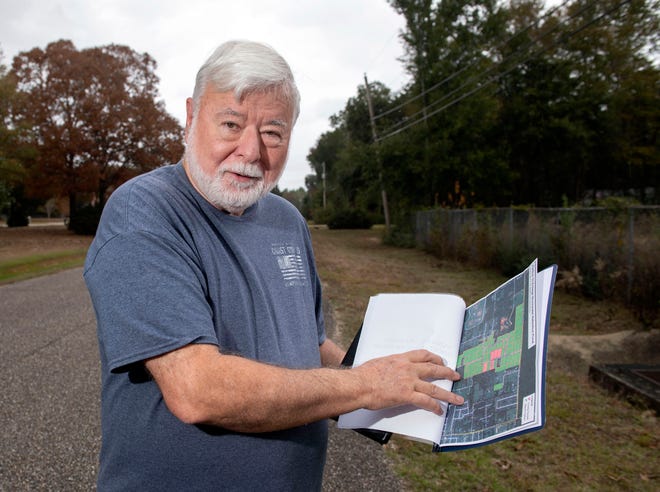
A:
x,y
17,218
322,215
400,236
86,220
348,219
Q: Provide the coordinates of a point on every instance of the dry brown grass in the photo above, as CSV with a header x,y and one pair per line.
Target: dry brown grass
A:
x,y
16,242
592,440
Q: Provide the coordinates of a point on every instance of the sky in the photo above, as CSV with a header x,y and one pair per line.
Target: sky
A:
x,y
330,45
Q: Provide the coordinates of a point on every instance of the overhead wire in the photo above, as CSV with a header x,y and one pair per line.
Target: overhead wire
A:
x,y
466,67
477,77
391,131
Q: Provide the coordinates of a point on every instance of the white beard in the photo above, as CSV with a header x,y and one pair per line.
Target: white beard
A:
x,y
222,192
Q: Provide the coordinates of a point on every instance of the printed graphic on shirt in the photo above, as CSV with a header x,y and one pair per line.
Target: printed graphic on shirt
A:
x,y
290,261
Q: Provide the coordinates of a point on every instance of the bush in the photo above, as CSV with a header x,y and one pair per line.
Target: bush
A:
x,y
86,220
343,218
17,218
400,238
349,219
322,215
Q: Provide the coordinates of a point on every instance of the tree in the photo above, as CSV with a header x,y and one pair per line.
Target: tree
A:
x,y
450,55
94,116
513,103
12,155
615,58
579,113
509,103
8,168
347,154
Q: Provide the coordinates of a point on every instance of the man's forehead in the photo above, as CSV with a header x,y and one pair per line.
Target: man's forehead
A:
x,y
271,102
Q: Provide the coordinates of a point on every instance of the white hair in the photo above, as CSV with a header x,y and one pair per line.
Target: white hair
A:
x,y
245,67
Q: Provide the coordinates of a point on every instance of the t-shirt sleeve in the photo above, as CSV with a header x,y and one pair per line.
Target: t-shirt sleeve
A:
x,y
149,297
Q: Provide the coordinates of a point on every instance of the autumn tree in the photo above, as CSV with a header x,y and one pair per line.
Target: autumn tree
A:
x,y
9,169
13,155
95,117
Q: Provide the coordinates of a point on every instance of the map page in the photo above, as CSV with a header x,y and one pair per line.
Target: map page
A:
x,y
498,366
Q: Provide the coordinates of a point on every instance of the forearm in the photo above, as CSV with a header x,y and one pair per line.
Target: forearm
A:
x,y
202,386
248,396
284,398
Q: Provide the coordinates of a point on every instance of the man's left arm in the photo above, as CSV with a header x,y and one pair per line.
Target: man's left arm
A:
x,y
331,353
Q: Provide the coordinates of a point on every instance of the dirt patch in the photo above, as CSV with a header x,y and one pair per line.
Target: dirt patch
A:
x,y
575,353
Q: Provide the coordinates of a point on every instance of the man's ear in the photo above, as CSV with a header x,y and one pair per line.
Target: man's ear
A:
x,y
189,116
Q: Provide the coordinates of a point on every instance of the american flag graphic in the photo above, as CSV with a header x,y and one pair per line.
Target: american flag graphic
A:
x,y
292,268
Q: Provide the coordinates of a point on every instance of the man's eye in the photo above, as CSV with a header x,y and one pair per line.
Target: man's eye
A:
x,y
230,125
271,138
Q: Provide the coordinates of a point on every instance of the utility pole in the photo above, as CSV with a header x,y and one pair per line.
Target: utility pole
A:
x,y
323,177
383,193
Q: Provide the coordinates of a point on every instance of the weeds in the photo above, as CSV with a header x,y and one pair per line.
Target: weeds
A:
x,y
601,253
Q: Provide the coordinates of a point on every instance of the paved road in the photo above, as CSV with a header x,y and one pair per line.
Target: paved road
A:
x,y
49,403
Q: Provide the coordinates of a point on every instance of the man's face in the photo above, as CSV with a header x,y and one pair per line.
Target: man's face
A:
x,y
236,151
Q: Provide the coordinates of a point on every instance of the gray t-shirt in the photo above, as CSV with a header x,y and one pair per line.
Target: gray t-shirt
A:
x,y
167,269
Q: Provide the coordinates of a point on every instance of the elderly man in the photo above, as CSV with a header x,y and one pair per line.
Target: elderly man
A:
x,y
216,371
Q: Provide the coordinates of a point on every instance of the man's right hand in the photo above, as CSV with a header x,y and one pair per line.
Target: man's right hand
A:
x,y
406,379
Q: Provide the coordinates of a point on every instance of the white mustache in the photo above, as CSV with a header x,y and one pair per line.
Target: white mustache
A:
x,y
243,168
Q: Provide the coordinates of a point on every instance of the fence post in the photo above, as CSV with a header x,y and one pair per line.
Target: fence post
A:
x,y
631,253
510,218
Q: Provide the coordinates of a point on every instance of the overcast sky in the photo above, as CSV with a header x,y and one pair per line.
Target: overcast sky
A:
x,y
330,45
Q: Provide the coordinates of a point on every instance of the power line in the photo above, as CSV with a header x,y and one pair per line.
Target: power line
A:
x,y
475,78
474,62
502,74
492,79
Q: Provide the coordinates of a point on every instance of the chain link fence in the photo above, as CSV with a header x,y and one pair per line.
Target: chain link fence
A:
x,y
601,252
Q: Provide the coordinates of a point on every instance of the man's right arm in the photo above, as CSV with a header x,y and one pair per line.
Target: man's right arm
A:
x,y
202,386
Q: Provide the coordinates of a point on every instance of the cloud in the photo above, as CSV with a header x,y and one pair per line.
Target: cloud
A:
x,y
329,45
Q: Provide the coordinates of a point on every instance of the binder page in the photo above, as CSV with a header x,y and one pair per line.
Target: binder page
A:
x,y
545,282
396,323
498,364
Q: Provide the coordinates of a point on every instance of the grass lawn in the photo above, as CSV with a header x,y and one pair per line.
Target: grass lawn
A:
x,y
25,267
592,440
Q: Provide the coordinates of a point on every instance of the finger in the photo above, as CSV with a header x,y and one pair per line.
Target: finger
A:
x,y
438,393
435,371
426,402
422,355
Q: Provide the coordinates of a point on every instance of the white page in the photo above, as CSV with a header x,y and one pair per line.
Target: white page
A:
x,y
544,284
396,323
542,294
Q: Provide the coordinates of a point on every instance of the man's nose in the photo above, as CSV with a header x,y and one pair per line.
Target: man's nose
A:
x,y
249,145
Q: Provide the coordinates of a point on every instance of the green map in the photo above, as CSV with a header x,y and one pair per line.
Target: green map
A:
x,y
493,356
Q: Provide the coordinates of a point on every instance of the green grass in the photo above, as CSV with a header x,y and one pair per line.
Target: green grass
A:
x,y
40,264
